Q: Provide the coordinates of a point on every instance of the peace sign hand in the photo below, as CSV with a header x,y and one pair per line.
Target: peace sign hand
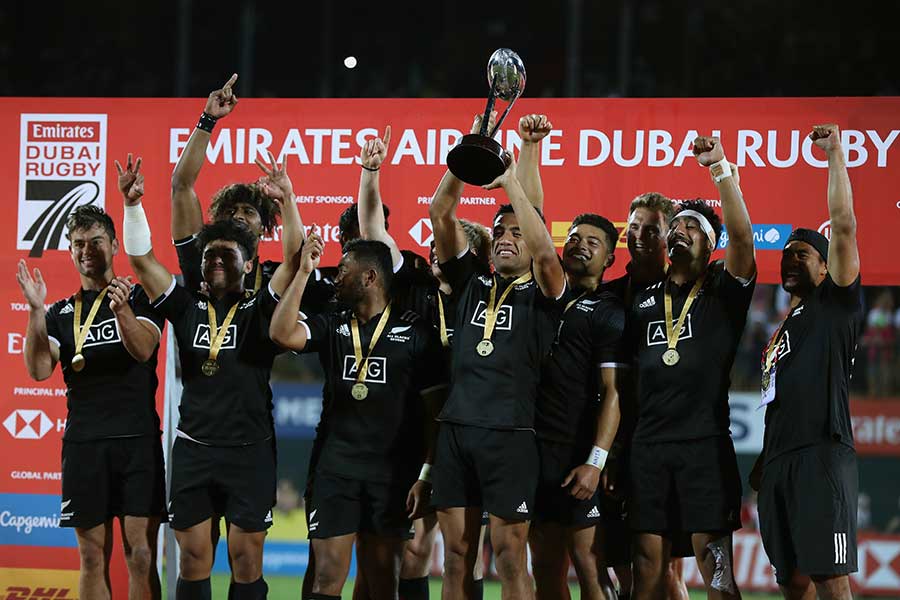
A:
x,y
275,184
131,181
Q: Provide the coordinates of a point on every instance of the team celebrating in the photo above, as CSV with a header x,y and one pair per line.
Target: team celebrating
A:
x,y
498,390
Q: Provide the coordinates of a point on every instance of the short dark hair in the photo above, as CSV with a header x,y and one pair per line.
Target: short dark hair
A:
x,y
245,193
654,201
704,209
229,231
479,238
88,215
507,209
374,254
349,220
601,223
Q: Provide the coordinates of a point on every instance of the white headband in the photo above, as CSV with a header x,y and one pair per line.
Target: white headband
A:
x,y
704,224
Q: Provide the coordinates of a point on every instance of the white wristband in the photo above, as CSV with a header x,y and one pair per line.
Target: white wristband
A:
x,y
720,170
425,473
136,231
597,457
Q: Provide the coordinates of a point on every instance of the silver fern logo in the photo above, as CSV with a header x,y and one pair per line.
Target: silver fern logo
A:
x,y
62,166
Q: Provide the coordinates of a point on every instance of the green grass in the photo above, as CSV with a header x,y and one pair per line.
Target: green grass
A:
x,y
289,588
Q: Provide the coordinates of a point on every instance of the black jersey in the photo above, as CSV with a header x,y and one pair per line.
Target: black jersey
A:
x,y
234,406
379,438
813,369
690,399
497,391
589,337
114,395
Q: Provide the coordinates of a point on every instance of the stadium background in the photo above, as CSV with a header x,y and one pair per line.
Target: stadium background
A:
x,y
632,49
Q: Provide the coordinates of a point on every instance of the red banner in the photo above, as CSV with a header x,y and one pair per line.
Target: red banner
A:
x,y
601,153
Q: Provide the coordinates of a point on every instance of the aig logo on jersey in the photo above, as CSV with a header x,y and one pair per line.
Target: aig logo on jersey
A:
x,y
376,370
62,165
504,316
201,337
656,331
106,332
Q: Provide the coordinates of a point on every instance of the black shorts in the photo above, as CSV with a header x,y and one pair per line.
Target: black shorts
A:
x,y
613,531
494,469
553,503
237,482
686,486
112,477
340,506
807,511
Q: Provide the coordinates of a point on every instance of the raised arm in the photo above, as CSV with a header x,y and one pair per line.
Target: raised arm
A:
x,y
155,278
740,254
371,210
548,269
187,216
139,337
532,129
40,355
277,185
284,329
843,254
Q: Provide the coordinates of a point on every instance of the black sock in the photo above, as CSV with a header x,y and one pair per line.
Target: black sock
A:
x,y
478,589
248,591
414,589
321,597
193,590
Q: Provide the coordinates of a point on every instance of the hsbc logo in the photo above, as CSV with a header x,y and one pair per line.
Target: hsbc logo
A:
x,y
825,229
422,232
28,424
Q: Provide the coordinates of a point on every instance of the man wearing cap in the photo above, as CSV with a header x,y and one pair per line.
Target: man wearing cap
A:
x,y
684,333
806,473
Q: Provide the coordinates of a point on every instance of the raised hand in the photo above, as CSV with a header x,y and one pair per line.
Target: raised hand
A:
x,y
507,176
33,289
826,137
534,128
311,253
275,184
221,102
119,291
476,124
131,181
375,150
708,150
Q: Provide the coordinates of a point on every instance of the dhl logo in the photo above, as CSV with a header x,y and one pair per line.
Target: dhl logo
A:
x,y
559,231
14,592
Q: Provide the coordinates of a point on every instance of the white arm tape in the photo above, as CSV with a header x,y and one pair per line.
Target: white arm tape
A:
x,y
597,457
720,170
136,231
425,473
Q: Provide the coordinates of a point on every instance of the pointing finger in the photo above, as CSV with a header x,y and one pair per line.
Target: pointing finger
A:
x,y
387,136
231,81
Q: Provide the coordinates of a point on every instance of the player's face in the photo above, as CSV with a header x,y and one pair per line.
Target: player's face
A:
x,y
433,261
687,239
586,251
802,268
223,265
349,284
92,250
246,214
646,234
509,253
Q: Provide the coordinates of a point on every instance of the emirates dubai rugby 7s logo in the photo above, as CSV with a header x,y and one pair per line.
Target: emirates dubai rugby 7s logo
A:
x,y
62,165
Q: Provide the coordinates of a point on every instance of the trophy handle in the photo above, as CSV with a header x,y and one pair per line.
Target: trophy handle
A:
x,y
502,118
485,120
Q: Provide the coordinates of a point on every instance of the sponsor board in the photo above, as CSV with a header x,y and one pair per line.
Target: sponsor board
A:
x,y
38,584
765,237
33,520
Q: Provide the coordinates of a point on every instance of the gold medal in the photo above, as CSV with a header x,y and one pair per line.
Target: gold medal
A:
x,y
766,379
210,367
78,362
359,391
484,347
671,357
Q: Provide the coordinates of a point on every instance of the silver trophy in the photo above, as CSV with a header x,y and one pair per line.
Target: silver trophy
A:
x,y
478,158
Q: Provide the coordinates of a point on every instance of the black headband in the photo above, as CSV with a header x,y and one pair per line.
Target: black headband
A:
x,y
813,238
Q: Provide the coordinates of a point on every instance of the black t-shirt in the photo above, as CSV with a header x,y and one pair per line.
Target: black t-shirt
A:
x,y
234,406
114,395
379,438
589,336
813,368
497,391
690,399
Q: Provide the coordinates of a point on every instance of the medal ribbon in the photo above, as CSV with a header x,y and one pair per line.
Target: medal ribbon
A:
x,y
771,352
491,312
81,331
362,365
258,281
445,339
671,328
217,334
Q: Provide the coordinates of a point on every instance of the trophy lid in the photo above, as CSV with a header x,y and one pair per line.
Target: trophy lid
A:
x,y
506,74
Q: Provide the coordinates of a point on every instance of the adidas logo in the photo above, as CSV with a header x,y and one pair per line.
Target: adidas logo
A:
x,y
67,309
796,312
268,518
651,301
523,508
594,514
